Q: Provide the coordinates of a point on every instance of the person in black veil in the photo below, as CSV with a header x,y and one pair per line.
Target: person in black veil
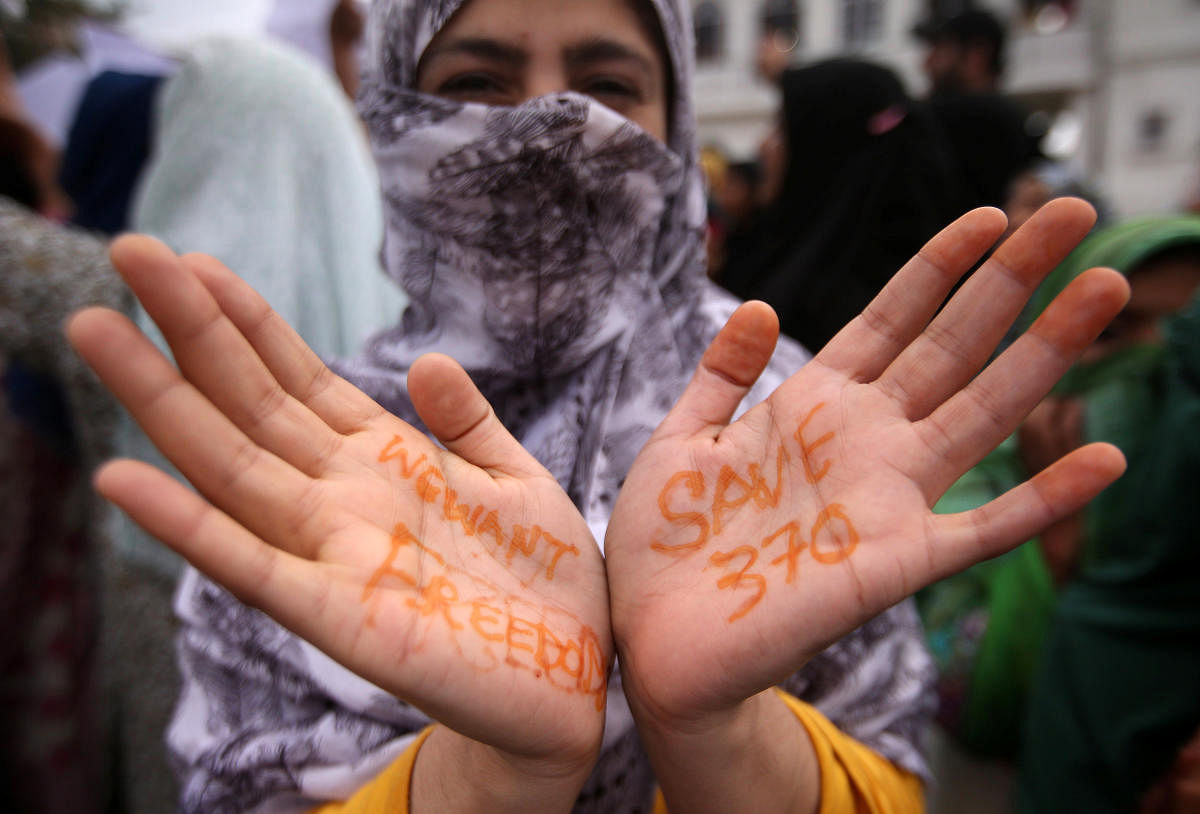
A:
x,y
992,136
866,180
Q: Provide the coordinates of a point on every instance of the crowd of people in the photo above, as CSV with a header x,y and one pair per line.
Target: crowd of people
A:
x,y
460,465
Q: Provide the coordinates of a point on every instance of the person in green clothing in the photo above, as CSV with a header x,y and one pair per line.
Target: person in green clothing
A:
x,y
1117,693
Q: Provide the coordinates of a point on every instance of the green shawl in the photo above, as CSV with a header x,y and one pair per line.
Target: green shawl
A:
x,y
987,626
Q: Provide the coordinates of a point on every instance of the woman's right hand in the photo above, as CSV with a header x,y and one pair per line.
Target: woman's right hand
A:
x,y
459,577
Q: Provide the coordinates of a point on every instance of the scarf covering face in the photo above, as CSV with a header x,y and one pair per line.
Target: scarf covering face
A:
x,y
557,252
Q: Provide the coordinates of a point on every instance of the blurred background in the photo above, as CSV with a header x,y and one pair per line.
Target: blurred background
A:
x,y
1111,83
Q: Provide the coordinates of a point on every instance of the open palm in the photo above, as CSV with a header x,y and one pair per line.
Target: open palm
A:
x,y
444,574
738,551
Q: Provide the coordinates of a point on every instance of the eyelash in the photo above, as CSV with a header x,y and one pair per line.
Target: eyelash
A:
x,y
473,82
609,84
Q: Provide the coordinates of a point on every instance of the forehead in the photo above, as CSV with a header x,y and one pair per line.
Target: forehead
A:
x,y
538,23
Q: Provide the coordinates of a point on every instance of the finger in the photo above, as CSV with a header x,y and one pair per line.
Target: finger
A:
x,y
728,369
898,314
988,410
963,336
292,363
961,540
248,482
258,574
460,417
215,357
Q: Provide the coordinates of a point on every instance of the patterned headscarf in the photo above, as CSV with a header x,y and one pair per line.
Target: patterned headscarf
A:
x,y
557,252
555,249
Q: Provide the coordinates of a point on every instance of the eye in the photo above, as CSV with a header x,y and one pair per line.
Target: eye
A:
x,y
611,88
474,86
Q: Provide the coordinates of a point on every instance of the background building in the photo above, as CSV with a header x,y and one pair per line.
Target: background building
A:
x,y
1116,79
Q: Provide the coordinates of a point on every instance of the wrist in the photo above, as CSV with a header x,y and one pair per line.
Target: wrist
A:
x,y
454,773
753,756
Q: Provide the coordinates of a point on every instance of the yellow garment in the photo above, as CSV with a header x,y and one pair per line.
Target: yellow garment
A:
x,y
388,792
854,778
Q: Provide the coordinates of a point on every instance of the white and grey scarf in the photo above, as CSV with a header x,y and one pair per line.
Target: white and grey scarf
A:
x,y
555,250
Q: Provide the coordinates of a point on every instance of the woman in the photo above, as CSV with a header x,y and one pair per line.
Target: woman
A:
x,y
546,220
1114,701
866,180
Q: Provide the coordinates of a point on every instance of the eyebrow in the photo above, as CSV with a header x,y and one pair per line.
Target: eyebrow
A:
x,y
597,49
482,47
600,49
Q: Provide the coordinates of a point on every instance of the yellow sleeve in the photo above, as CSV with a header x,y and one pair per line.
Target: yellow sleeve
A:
x,y
388,792
854,778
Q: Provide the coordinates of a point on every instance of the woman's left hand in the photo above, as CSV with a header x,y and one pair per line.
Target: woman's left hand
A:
x,y
738,551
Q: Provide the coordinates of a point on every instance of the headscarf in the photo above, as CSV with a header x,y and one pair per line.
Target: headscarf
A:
x,y
557,251
991,140
1125,396
259,161
867,183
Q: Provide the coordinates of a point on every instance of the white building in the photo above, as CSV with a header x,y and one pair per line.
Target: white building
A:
x,y
1119,77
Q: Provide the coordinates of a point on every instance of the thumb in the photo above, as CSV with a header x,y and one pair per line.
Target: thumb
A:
x,y
462,420
728,369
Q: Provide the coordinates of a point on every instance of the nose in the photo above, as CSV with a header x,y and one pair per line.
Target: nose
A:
x,y
545,77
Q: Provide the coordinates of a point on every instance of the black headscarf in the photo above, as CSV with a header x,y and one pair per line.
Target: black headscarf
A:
x,y
868,180
991,141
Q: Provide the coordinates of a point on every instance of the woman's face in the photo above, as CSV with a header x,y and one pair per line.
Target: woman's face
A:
x,y
504,52
1159,288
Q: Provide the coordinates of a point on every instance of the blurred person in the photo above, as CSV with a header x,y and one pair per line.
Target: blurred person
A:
x,y
739,194
778,37
1192,200
965,52
1032,189
545,214
328,31
738,203
244,129
1114,701
1178,790
347,24
29,161
56,424
258,157
713,166
860,158
111,132
107,148
1043,182
775,54
17,179
988,626
988,132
